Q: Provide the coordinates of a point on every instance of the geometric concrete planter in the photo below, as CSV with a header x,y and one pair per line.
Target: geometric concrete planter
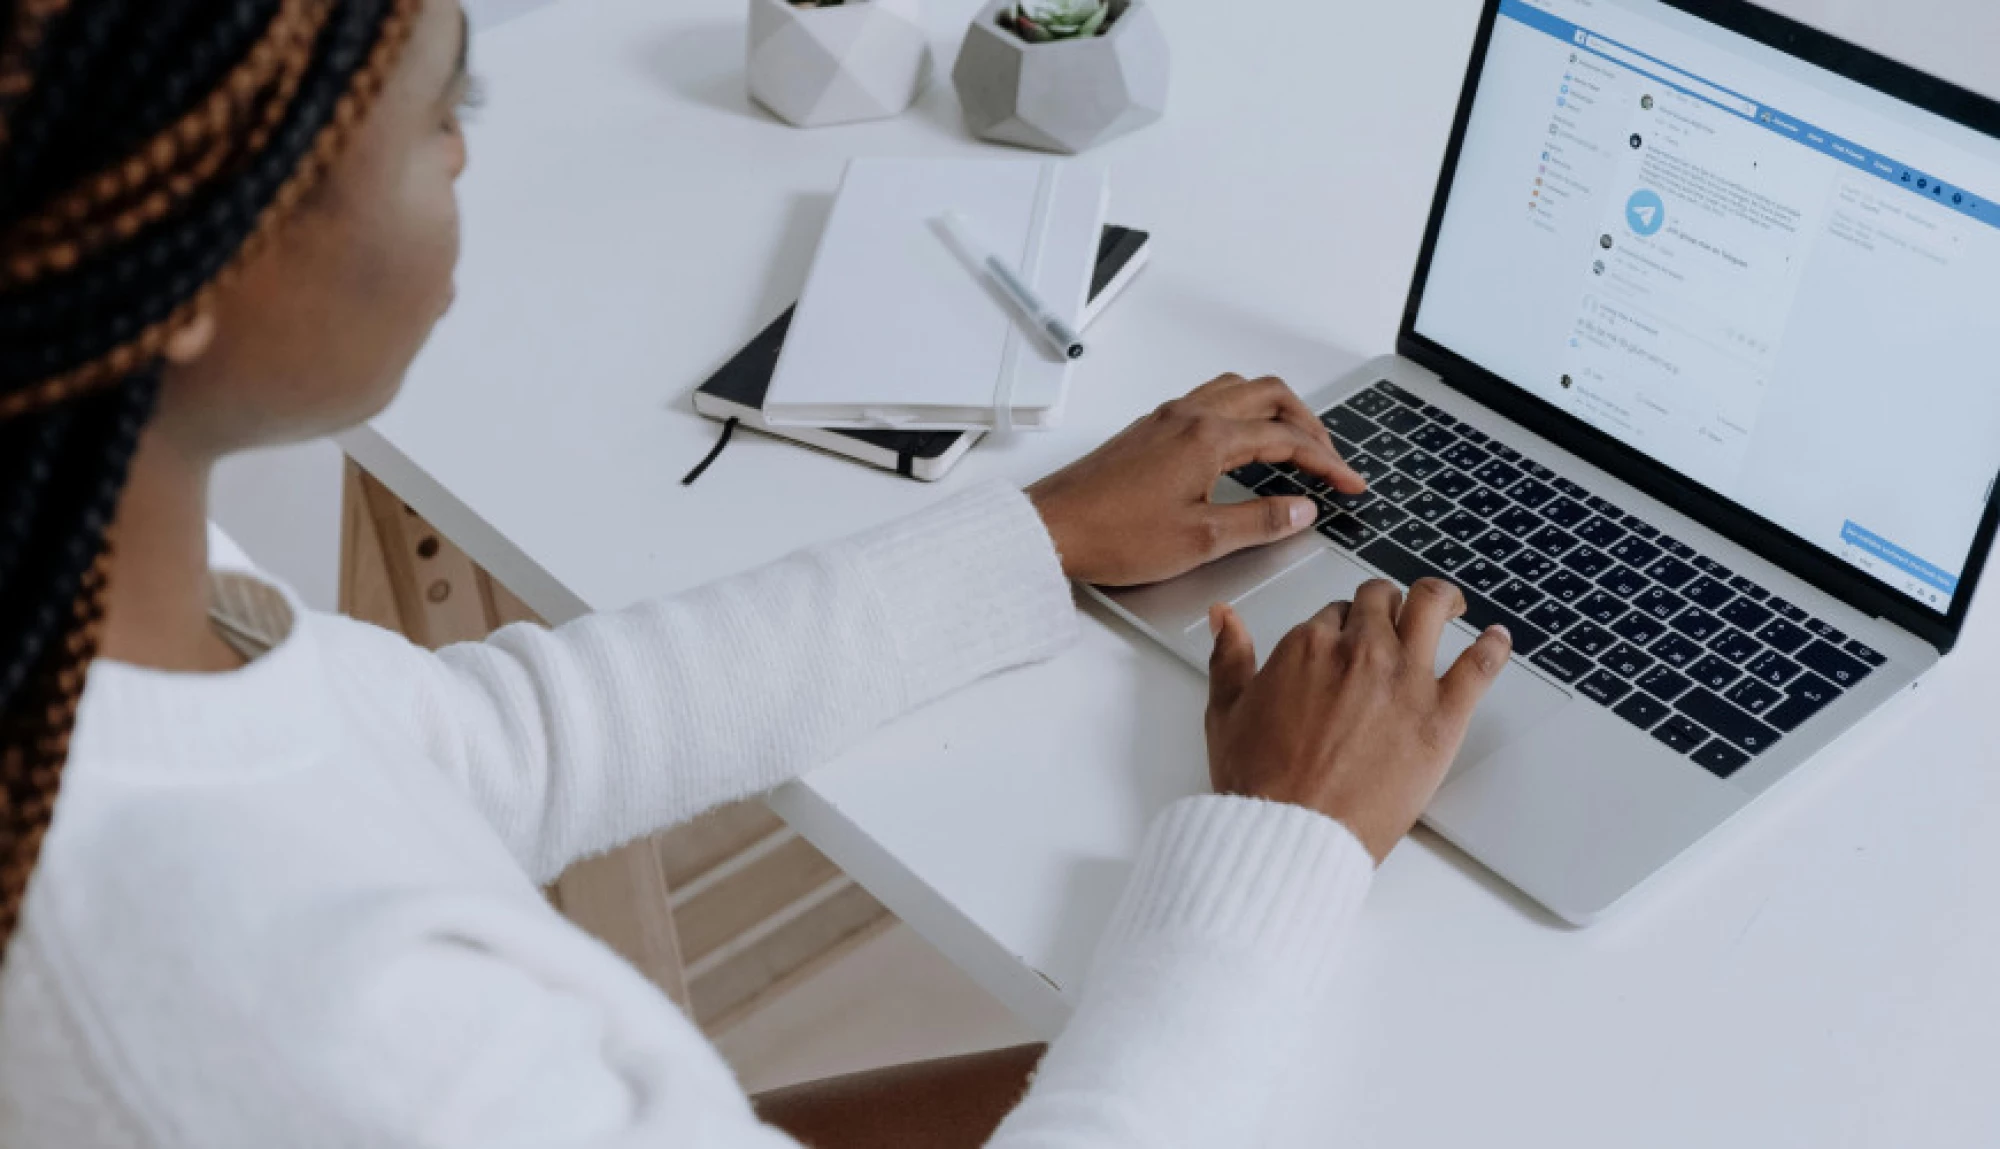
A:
x,y
862,60
1063,95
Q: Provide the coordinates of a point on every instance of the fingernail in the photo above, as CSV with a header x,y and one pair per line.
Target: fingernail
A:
x,y
1303,513
1503,632
1215,621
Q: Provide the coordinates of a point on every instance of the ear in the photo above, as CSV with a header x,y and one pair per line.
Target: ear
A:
x,y
192,341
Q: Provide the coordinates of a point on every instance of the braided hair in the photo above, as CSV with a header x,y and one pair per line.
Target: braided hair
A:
x,y
147,150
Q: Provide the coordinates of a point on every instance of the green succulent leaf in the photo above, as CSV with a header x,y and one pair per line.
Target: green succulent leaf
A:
x,y
1042,20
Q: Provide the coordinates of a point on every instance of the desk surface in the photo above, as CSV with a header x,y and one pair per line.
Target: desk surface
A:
x,y
1819,973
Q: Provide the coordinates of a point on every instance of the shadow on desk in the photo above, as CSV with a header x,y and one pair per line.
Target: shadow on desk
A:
x,y
704,63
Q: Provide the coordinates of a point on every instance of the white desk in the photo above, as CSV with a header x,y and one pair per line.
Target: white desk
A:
x,y
1820,974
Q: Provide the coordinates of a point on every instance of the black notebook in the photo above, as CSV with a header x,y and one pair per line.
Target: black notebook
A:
x,y
737,391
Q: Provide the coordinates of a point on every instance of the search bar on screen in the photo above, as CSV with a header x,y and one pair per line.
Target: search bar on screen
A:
x,y
1671,74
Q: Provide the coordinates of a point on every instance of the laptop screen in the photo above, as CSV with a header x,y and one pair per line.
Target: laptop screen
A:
x,y
1780,283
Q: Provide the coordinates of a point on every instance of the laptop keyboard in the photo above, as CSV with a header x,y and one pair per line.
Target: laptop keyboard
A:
x,y
1709,663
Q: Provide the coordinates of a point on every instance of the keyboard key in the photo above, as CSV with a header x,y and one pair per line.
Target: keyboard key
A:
x,y
1726,722
1531,493
1783,635
1566,512
1638,628
1465,456
1485,503
1429,506
1742,585
1389,448
1733,646
1570,489
1714,672
1588,561
1696,623
1401,421
1419,466
1481,575
1826,630
1670,572
1676,548
1505,453
1710,567
1634,551
1603,687
1659,602
1640,527
1518,521
1708,592
1600,607
1625,660
1676,651
1398,394
1497,546
1623,581
1449,555
1665,684
1540,472
1604,508
1822,658
1553,542
1600,532
1348,531
1562,663
1373,404
1745,614
1589,639
1797,707
1753,696
1720,758
1787,611
1773,669
1398,487
1567,586
1350,425
1553,617
1496,474
1480,611
1474,436
1441,419
1855,648
1641,711
1281,486
1416,536
1382,516
1679,734
1367,466
1432,438
1462,526
1251,474
1518,596
1530,566
1449,483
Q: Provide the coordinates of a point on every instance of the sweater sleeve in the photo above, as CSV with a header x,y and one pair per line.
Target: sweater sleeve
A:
x,y
1205,983
574,740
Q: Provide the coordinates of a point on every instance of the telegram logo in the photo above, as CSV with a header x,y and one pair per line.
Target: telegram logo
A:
x,y
1645,212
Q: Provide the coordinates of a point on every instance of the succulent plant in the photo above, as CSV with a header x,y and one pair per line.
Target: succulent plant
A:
x,y
1037,21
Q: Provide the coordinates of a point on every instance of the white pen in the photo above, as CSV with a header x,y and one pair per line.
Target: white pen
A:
x,y
991,268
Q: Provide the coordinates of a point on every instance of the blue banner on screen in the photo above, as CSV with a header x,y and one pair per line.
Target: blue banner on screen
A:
x,y
1899,558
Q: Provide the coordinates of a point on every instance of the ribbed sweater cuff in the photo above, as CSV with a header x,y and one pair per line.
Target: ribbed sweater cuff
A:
x,y
1278,883
968,587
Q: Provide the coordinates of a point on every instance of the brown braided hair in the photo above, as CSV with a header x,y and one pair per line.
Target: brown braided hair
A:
x,y
148,148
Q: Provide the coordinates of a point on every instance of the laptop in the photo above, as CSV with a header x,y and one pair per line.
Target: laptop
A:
x,y
1696,391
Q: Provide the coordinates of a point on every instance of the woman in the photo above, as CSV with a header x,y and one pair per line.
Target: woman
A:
x,y
288,894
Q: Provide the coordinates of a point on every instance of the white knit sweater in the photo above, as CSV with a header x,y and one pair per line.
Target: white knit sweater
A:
x,y
297,904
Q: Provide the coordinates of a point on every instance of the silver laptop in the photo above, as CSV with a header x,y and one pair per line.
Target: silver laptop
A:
x,y
1697,391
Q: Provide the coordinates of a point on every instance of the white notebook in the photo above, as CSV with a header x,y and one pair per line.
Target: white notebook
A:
x,y
894,331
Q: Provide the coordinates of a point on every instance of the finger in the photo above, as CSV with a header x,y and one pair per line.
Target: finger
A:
x,y
1233,662
1207,392
1332,616
1427,610
1376,604
1271,398
1226,530
1270,442
1461,688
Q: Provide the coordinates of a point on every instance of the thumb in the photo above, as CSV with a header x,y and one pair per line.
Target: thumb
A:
x,y
1240,526
1234,661
1474,673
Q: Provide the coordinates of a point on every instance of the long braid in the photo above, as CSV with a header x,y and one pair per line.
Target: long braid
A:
x,y
148,148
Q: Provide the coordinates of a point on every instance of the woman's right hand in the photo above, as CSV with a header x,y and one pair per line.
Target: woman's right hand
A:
x,y
1348,716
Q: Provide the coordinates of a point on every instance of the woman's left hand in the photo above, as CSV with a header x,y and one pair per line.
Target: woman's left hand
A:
x,y
1137,509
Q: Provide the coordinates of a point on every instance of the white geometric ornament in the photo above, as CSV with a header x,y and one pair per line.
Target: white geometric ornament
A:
x,y
862,60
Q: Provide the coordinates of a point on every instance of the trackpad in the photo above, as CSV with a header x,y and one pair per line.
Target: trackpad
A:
x,y
1517,704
